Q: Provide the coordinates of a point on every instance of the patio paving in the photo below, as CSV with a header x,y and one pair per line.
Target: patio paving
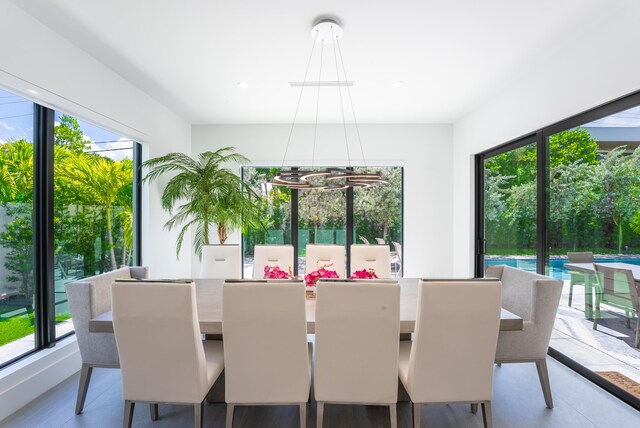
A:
x,y
609,348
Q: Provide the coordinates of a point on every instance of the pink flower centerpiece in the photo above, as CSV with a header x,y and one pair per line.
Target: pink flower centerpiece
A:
x,y
364,274
312,278
274,272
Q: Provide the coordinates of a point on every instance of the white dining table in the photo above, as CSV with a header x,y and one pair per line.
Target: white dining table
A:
x,y
209,302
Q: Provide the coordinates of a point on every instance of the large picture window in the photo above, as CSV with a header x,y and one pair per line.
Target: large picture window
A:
x,y
343,217
88,174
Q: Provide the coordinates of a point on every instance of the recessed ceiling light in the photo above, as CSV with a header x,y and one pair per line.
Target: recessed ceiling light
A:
x,y
397,83
32,91
243,85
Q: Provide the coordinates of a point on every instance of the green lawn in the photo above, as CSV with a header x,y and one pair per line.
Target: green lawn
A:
x,y
18,327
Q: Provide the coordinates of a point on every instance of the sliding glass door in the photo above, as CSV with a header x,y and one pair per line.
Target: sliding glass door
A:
x,y
510,207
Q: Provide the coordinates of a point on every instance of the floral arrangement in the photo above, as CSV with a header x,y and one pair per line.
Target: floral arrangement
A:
x,y
312,278
364,274
274,272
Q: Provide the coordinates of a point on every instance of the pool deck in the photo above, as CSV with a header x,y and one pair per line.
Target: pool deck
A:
x,y
609,348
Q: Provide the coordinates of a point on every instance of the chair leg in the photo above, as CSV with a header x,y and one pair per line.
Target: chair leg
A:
x,y
393,415
83,386
474,408
303,415
320,413
417,408
230,409
198,410
153,410
486,414
128,413
570,292
543,374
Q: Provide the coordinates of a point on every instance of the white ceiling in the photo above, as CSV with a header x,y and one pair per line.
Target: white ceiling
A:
x,y
451,54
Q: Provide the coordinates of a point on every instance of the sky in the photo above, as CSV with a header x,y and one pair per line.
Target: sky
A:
x,y
16,122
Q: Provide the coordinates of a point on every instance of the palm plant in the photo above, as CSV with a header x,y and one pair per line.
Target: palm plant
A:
x,y
209,194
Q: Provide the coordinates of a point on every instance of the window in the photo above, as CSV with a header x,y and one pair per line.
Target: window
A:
x,y
17,315
93,206
339,217
88,173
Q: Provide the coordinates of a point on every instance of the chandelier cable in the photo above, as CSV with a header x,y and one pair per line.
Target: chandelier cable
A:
x,y
315,128
353,111
295,115
344,120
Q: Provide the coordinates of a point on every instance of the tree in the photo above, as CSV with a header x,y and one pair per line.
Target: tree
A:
x,y
104,179
381,204
321,208
209,194
68,134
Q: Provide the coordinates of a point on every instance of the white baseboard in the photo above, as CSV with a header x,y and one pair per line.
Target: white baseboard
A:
x,y
26,380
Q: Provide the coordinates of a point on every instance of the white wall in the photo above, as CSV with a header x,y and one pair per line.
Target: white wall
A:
x,y
424,150
66,78
593,67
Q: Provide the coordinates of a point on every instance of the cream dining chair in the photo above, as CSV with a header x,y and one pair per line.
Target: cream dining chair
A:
x,y
268,359
272,255
456,367
319,255
88,298
357,336
221,261
376,257
162,356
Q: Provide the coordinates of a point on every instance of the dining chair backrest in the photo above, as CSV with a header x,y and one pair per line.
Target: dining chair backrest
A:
x,y
159,343
220,261
376,257
272,255
618,282
580,257
265,342
357,331
332,256
455,339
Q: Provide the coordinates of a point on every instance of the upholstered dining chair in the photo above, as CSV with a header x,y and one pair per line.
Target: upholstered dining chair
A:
x,y
535,299
89,298
268,359
357,336
221,261
319,255
578,278
456,367
162,355
376,257
272,255
616,287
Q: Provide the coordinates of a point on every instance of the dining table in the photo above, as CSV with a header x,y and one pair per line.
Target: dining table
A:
x,y
590,279
209,303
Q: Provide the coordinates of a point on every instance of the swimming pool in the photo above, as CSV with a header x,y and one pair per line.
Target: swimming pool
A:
x,y
556,263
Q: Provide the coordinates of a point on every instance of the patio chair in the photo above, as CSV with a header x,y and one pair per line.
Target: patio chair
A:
x,y
616,287
380,241
364,240
578,278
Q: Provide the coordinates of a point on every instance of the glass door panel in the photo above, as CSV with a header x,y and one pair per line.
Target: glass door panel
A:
x,y
510,208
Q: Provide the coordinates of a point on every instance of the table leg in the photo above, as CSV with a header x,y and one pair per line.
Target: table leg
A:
x,y
588,294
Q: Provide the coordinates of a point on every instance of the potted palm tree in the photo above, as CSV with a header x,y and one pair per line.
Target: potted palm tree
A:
x,y
204,194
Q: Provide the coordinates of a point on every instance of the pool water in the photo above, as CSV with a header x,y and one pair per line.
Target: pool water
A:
x,y
556,264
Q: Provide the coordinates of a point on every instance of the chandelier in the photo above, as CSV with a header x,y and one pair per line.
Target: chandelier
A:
x,y
329,32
